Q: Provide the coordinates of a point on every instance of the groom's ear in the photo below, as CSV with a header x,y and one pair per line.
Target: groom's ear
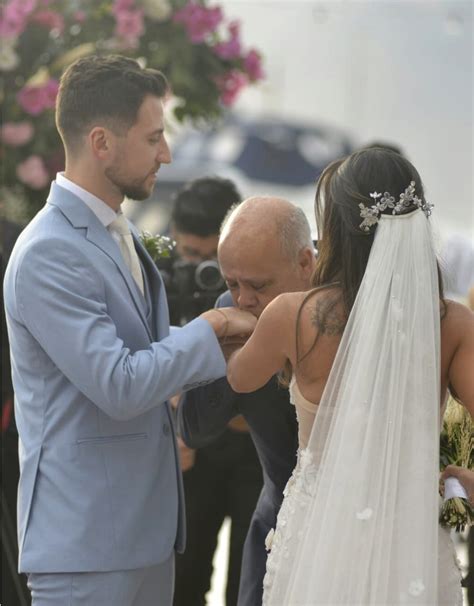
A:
x,y
100,142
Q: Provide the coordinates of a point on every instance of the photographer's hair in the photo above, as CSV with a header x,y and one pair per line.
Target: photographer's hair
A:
x,y
343,248
201,206
103,90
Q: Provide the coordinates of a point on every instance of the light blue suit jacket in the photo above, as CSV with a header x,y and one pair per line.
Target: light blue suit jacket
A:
x,y
93,365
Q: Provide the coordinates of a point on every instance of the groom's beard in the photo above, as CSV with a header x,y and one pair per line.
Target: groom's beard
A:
x,y
135,189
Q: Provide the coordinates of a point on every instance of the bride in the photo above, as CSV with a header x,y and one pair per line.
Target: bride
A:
x,y
371,351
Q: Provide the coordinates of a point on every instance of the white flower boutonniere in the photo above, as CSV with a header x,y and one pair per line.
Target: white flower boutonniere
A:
x,y
158,247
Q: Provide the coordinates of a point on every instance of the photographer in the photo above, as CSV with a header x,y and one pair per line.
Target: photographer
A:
x,y
191,274
224,478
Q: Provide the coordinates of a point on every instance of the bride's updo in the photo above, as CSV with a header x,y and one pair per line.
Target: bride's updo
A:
x,y
343,247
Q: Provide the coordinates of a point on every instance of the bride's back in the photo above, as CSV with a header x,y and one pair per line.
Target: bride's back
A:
x,y
319,319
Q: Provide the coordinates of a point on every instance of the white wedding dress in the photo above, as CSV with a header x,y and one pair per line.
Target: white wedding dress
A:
x,y
359,522
298,497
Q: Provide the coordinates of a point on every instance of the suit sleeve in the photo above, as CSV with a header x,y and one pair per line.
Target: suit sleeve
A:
x,y
61,301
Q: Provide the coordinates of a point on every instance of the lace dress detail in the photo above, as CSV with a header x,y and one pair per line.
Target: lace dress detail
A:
x,y
282,541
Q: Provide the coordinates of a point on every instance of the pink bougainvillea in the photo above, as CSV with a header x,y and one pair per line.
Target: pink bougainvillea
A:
x,y
14,17
232,48
16,133
32,172
198,48
35,99
253,66
230,85
199,20
50,19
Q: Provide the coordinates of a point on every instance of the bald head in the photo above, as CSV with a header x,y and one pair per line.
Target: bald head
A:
x,y
265,249
266,218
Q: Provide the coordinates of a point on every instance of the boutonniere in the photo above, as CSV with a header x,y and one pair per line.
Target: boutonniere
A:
x,y
157,246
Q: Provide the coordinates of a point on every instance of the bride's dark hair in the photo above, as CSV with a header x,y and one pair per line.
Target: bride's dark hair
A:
x,y
343,248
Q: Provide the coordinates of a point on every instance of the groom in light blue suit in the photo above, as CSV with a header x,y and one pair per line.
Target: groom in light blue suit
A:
x,y
100,507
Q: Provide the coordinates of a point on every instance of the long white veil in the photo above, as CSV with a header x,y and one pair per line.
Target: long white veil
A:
x,y
362,525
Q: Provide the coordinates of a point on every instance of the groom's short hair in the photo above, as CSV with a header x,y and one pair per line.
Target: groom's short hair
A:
x,y
103,90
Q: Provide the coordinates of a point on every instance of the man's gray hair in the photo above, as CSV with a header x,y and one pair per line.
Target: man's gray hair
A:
x,y
292,227
295,233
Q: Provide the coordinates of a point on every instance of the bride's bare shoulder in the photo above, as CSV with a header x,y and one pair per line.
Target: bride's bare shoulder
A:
x,y
456,316
322,311
457,329
322,307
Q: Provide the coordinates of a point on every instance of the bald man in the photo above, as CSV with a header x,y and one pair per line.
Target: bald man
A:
x,y
265,249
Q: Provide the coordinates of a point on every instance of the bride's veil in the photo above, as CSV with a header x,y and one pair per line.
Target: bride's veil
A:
x,y
367,533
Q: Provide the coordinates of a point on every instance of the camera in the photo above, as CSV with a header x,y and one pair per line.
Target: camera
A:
x,y
191,288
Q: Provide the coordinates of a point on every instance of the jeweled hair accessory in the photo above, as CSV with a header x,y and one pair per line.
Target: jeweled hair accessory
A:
x,y
371,214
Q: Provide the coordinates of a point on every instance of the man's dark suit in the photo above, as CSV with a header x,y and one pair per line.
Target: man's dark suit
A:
x,y
203,415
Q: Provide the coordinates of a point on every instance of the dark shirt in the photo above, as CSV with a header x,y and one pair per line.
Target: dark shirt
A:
x,y
203,414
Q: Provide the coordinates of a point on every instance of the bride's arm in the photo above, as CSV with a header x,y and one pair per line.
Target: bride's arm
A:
x,y
461,375
266,351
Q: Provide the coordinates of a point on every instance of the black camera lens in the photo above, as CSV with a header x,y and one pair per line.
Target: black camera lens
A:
x,y
208,276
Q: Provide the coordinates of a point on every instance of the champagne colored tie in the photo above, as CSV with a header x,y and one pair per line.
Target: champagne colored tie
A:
x,y
127,248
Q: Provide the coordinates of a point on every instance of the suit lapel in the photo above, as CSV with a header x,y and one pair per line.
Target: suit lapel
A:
x,y
157,290
80,216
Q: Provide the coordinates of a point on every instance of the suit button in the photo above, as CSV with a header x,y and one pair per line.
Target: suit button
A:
x,y
166,429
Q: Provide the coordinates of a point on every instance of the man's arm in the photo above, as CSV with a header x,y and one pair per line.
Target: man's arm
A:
x,y
203,413
62,303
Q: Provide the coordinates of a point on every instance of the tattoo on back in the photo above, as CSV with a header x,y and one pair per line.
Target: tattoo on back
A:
x,y
328,317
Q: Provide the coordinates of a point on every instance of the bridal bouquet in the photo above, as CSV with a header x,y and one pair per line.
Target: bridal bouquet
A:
x,y
199,49
457,448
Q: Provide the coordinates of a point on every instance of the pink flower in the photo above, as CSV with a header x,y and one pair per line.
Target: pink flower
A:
x,y
232,48
122,5
50,90
129,26
16,133
230,85
13,19
198,20
50,19
80,16
33,173
253,66
31,99
35,99
234,29
26,6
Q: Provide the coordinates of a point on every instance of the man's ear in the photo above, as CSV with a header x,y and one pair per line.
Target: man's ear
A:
x,y
100,141
306,261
